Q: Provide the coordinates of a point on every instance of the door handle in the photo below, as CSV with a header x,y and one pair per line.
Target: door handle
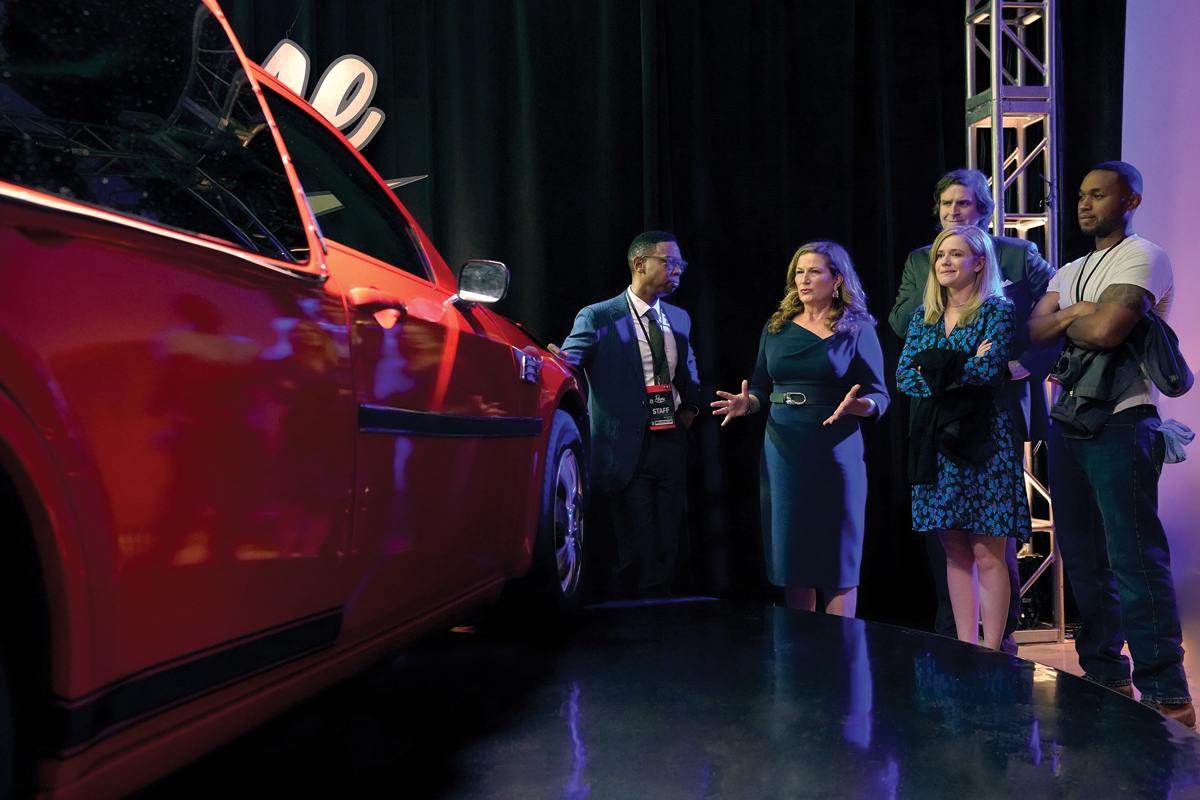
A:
x,y
48,238
387,309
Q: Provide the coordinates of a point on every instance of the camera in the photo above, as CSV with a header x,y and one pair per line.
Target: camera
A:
x,y
1067,367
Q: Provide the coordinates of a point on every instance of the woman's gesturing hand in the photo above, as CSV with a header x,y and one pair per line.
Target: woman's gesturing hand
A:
x,y
732,405
851,404
984,346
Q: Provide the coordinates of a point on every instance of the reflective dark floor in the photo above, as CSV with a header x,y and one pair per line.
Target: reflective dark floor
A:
x,y
705,699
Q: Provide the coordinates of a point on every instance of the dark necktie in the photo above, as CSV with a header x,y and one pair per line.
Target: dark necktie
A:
x,y
658,350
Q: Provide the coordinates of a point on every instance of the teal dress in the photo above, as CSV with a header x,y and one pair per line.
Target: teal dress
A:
x,y
813,481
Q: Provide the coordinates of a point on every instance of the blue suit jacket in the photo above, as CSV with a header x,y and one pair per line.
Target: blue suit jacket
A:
x,y
604,344
1026,275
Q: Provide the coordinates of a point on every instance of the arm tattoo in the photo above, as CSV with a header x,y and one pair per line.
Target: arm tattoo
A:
x,y
1126,295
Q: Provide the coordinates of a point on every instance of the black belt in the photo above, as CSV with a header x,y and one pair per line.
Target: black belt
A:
x,y
811,396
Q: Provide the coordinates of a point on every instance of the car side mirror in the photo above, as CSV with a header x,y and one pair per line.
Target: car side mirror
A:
x,y
482,281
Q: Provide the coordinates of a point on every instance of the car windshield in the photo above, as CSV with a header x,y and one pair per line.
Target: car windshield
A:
x,y
141,107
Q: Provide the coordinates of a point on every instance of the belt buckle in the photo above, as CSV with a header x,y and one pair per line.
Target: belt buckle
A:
x,y
787,398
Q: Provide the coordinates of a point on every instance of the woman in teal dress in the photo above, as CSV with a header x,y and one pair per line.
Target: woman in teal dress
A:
x,y
820,369
969,486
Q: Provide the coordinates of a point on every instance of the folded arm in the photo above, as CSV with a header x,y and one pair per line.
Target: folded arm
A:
x,y
991,355
1093,326
1048,323
1112,317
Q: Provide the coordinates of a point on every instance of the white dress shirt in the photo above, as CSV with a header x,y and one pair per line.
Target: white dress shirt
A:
x,y
641,309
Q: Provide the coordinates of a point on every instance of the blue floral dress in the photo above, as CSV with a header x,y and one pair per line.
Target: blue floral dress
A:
x,y
988,498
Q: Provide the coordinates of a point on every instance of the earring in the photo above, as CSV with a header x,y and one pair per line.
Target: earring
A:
x,y
835,294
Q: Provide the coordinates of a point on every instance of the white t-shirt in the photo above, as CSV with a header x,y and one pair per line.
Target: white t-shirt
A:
x,y
1135,261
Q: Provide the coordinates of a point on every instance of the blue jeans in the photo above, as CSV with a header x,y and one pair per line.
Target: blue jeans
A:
x,y
1105,495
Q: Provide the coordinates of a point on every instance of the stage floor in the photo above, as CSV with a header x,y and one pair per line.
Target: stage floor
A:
x,y
706,699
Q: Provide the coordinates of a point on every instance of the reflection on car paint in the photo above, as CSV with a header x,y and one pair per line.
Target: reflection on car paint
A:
x,y
390,376
398,539
214,384
203,395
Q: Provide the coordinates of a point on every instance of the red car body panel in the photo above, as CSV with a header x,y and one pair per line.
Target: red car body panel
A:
x,y
222,456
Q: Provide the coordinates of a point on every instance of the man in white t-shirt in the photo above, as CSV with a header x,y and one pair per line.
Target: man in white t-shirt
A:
x,y
1105,489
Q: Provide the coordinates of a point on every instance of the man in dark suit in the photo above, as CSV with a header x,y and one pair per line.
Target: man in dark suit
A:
x,y
962,197
643,395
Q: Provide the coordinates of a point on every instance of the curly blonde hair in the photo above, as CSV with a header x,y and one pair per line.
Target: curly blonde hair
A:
x,y
849,307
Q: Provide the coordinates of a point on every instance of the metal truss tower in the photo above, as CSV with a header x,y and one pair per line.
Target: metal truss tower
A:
x,y
1012,131
1012,136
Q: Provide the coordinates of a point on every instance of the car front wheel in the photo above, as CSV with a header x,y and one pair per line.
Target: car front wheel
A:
x,y
561,525
555,585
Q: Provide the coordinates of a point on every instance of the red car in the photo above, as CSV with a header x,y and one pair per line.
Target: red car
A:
x,y
254,433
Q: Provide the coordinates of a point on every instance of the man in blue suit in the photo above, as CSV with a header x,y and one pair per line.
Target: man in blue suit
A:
x,y
962,197
643,395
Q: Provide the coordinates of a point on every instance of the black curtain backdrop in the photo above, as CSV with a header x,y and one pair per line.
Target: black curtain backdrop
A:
x,y
554,132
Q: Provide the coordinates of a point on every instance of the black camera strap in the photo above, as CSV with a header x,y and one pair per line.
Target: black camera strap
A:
x,y
1081,282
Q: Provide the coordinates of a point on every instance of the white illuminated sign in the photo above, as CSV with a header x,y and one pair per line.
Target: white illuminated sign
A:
x,y
342,95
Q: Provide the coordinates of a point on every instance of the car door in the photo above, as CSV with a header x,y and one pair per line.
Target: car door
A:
x,y
442,447
169,333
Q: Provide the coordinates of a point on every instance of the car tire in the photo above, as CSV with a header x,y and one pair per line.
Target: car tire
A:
x,y
24,649
562,543
555,586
